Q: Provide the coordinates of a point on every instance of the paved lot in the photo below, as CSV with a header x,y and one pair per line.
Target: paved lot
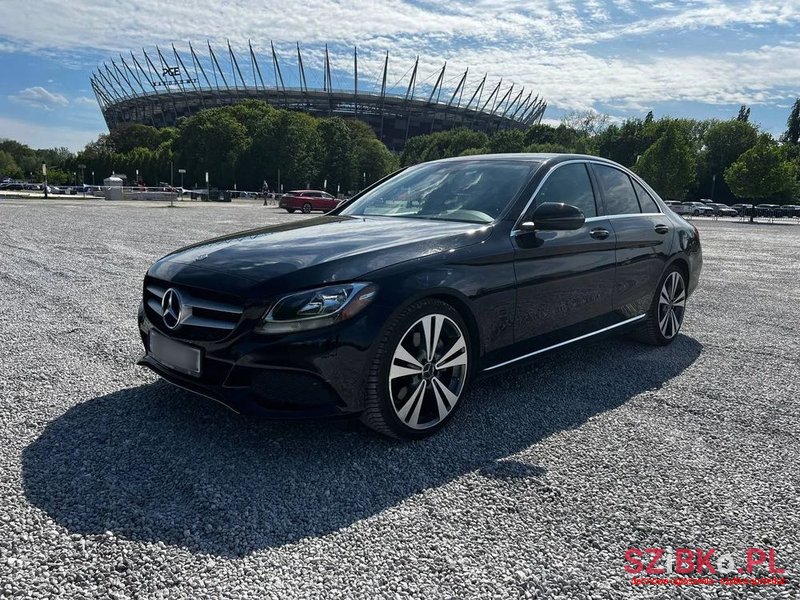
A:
x,y
113,484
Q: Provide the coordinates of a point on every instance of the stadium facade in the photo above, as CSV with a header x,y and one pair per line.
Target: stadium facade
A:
x,y
161,87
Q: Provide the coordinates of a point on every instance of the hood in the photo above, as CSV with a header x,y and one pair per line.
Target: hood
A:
x,y
318,250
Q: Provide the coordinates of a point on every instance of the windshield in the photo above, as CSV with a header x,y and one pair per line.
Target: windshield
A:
x,y
475,191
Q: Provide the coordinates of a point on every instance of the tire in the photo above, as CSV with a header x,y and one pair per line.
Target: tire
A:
x,y
290,210
411,394
696,213
666,313
306,208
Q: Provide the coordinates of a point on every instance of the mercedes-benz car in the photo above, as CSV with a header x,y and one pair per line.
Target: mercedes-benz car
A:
x,y
391,304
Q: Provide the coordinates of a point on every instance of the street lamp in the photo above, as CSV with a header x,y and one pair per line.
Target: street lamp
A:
x,y
83,179
182,172
44,174
208,189
92,177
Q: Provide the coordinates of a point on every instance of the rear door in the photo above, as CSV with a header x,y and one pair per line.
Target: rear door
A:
x,y
326,201
643,235
564,278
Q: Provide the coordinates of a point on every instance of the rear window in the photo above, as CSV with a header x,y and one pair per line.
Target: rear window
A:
x,y
617,190
646,201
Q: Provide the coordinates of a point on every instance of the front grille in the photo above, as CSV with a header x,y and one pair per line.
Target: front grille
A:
x,y
204,315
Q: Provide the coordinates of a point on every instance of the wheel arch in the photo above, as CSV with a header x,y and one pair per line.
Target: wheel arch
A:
x,y
460,304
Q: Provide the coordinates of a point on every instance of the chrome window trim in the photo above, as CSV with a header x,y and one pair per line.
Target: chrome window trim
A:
x,y
564,343
515,230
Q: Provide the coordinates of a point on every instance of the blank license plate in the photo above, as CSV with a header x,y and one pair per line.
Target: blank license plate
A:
x,y
175,355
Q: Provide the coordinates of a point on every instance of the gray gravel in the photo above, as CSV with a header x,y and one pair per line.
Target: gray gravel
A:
x,y
114,484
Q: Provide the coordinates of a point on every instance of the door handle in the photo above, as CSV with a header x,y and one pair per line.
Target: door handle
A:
x,y
662,229
599,233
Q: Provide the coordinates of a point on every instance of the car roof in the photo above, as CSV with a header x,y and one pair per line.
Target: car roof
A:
x,y
539,157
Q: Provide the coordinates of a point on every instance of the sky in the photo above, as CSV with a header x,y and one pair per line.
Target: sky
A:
x,y
697,58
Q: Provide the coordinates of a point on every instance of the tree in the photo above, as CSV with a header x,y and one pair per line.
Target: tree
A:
x,y
668,165
8,166
761,172
443,144
211,141
744,113
373,161
336,153
507,140
125,138
792,134
724,142
588,122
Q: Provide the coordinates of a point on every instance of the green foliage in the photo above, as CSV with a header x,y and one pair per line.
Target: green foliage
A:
x,y
762,172
8,166
724,142
744,113
792,134
507,140
443,144
668,164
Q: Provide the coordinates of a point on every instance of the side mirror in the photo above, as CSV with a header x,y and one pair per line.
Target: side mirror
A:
x,y
555,216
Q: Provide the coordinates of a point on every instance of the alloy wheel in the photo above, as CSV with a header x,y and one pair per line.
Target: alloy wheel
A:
x,y
671,305
428,371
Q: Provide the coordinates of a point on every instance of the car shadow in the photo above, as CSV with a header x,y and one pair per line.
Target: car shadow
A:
x,y
154,463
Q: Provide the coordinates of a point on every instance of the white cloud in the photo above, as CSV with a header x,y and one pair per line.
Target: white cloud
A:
x,y
84,101
36,135
559,48
38,97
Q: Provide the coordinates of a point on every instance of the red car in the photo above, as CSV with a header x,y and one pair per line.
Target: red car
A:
x,y
307,200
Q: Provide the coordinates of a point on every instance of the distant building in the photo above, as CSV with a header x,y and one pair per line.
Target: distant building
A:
x,y
159,90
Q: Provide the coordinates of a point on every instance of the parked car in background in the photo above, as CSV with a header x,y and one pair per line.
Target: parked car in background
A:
x,y
790,210
742,209
767,210
307,201
697,209
723,210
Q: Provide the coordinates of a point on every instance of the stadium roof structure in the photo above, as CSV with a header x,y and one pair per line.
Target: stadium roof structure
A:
x,y
160,89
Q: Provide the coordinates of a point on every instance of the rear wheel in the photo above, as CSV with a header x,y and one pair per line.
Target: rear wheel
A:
x,y
665,317
306,208
419,371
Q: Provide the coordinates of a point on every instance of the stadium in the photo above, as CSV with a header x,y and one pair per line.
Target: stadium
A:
x,y
159,88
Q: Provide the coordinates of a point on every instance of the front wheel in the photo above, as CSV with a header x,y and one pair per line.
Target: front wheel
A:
x,y
306,208
290,210
665,316
419,372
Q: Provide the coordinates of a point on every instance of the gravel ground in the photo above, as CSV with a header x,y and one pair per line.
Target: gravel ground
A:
x,y
114,484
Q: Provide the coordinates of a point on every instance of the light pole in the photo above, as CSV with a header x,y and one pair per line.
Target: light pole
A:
x,y
208,189
92,177
83,179
44,174
181,171
137,177
713,185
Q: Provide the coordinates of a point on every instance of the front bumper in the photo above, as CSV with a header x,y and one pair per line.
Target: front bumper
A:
x,y
305,375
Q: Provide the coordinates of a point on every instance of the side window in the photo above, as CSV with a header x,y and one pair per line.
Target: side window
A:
x,y
617,191
569,184
645,199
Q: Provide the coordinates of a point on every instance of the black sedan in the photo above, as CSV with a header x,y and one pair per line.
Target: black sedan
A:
x,y
391,304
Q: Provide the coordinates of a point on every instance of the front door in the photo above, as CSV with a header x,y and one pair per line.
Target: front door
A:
x,y
564,278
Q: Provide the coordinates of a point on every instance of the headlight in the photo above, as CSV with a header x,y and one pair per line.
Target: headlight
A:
x,y
317,308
